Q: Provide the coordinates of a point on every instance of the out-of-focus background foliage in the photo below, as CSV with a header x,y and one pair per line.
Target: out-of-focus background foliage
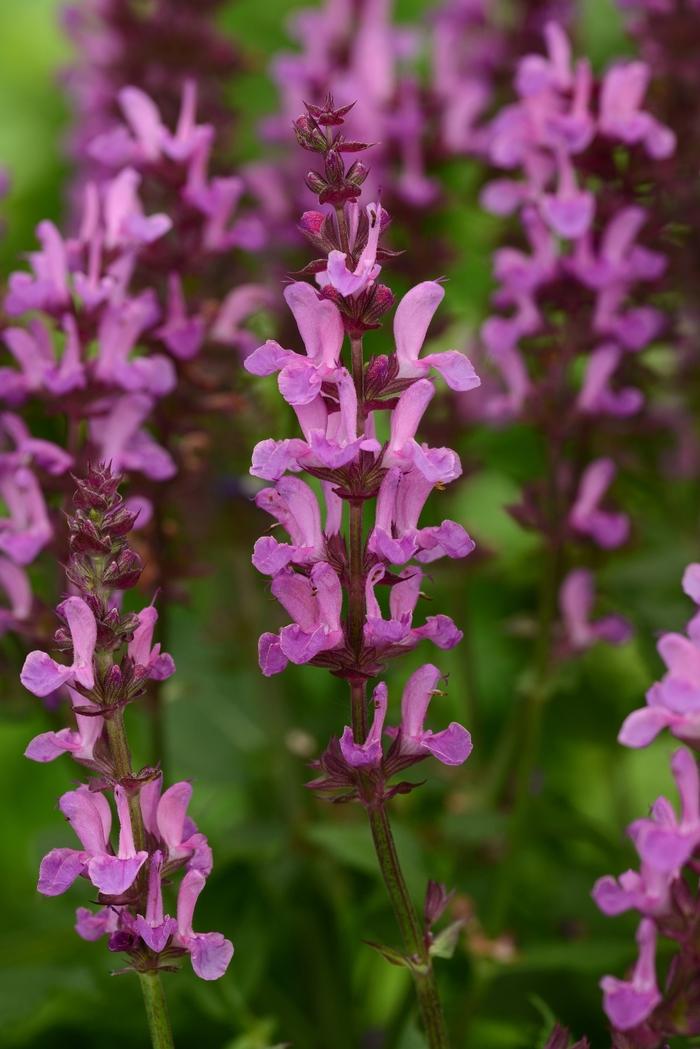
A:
x,y
294,884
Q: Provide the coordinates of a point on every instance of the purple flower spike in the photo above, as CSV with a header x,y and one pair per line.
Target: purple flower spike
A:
x,y
629,1002
210,952
42,675
369,753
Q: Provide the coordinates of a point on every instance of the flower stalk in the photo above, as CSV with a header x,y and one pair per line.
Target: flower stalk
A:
x,y
156,1011
113,660
370,556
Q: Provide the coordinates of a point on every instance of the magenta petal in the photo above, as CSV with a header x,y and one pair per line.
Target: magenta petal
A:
x,y
456,369
267,359
610,897
664,849
51,745
91,926
299,382
211,953
172,809
270,656
270,557
58,871
642,726
41,675
360,755
452,746
112,875
155,936
625,1005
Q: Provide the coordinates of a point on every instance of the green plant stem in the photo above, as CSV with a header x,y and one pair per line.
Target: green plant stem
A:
x,y
156,1011
407,919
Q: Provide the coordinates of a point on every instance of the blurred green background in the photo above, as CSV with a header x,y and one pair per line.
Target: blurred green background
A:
x,y
294,884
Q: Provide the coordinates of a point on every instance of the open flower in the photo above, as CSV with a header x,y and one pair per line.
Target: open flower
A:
x,y
89,815
413,316
210,952
452,745
315,604
629,1002
43,675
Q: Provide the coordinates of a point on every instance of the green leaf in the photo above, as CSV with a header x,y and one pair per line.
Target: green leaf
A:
x,y
389,954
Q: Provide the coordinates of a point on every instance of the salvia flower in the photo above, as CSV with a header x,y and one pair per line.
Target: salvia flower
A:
x,y
664,890
575,297
110,659
351,580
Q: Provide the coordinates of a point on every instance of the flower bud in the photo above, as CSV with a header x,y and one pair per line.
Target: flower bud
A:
x,y
357,173
315,182
124,571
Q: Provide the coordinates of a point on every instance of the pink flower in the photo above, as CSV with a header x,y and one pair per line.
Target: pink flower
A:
x,y
664,842
673,702
293,503
90,817
210,952
165,818
451,746
413,316
314,602
606,528
157,665
155,928
397,632
352,283
122,441
396,536
42,675
438,465
576,597
321,328
628,1003
80,743
368,754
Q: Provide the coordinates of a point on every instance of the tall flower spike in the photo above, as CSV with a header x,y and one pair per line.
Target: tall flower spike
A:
x,y
329,581
664,891
113,660
577,299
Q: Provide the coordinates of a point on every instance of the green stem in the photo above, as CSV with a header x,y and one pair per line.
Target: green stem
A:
x,y
156,1011
407,919
121,756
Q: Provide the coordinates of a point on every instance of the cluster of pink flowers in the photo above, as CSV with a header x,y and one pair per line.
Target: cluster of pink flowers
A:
x,y
112,660
576,289
157,46
667,846
352,596
109,330
339,447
